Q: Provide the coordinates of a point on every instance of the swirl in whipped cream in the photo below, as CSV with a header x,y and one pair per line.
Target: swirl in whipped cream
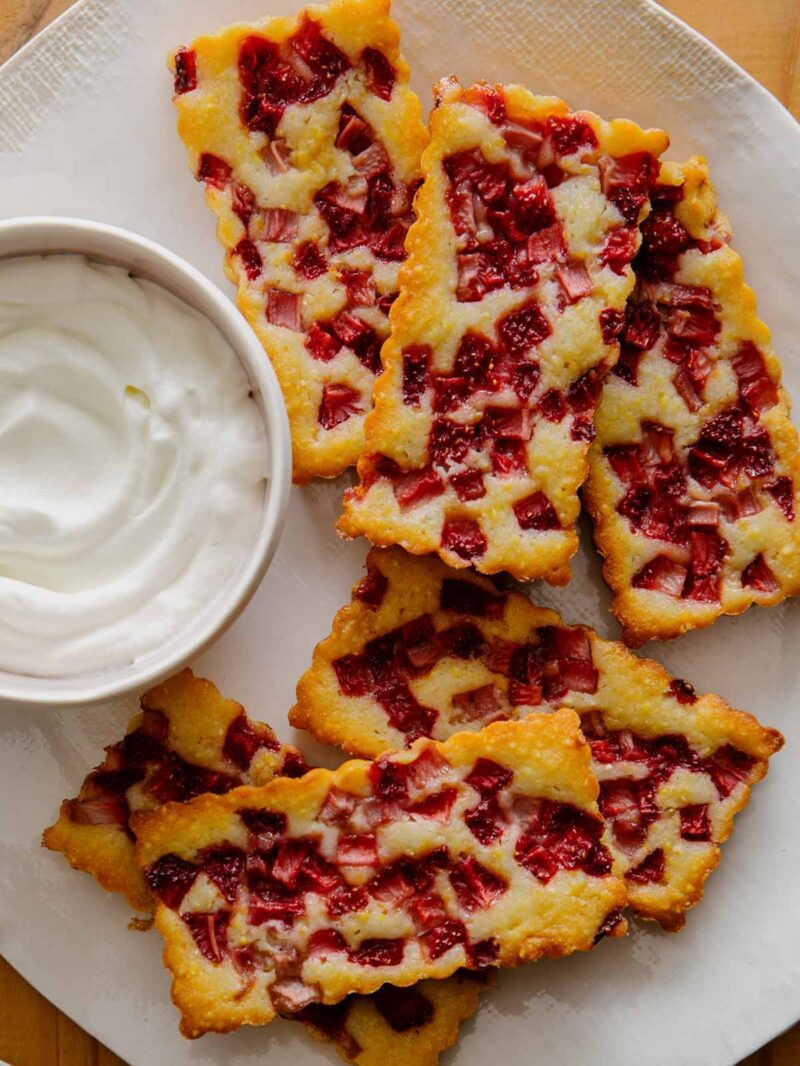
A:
x,y
132,466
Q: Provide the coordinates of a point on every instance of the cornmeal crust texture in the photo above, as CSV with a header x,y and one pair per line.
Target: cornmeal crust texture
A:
x,y
308,140
304,891
511,302
694,476
187,740
422,650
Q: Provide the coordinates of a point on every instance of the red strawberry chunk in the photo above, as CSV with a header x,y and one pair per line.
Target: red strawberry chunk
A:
x,y
266,826
630,807
339,402
488,777
476,886
612,323
283,309
486,703
650,870
372,588
546,246
210,932
321,343
100,810
511,423
275,903
642,325
520,330
509,457
487,99
463,537
224,866
468,484
662,574
729,768
213,171
346,900
392,886
624,460
358,850
663,234
418,485
389,780
619,249
535,512
326,942
250,257
309,261
242,741
324,58
338,806
376,952
280,225
444,937
758,390
379,72
185,71
682,690
170,878
574,280
571,134
757,575
695,824
465,597
436,807
782,491
428,912
426,769
289,860
486,821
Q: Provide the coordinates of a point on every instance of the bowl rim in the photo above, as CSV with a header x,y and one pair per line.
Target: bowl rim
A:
x,y
143,257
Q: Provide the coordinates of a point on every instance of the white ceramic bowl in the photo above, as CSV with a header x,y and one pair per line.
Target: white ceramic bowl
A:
x,y
145,259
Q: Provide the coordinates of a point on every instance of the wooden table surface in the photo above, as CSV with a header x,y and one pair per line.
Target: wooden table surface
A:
x,y
763,36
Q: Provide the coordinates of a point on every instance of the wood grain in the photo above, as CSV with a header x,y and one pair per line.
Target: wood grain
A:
x,y
764,38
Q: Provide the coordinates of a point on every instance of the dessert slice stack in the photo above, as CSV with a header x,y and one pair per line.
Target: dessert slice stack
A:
x,y
511,301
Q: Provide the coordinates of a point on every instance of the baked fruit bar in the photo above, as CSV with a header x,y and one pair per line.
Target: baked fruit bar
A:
x,y
345,880
694,476
308,140
187,740
423,651
518,271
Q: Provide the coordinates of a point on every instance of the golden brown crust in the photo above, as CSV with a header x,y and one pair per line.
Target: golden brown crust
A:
x,y
645,613
632,694
196,720
549,761
430,312
209,122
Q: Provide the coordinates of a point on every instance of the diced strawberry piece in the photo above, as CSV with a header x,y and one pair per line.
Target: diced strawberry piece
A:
x,y
392,886
509,457
525,695
279,225
450,441
486,703
624,181
630,808
426,769
619,249
535,512
326,942
288,862
359,286
574,280
708,550
757,575
571,134
321,343
309,261
663,234
695,824
758,390
468,485
354,675
662,574
283,309
478,273
324,58
475,886
627,366
650,870
686,390
546,246
513,423
474,358
465,597
444,937
612,323
267,826
728,768
250,257
428,912
463,537
185,71
486,821
520,330
380,73
642,325
553,406
436,807
213,171
389,780
275,904
624,460
355,135
170,878
319,875
391,244
782,491
224,866
372,588
682,690
100,810
358,850
210,932
243,740
243,202
418,485
339,402
487,99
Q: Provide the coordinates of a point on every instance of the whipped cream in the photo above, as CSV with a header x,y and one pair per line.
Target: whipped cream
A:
x,y
132,466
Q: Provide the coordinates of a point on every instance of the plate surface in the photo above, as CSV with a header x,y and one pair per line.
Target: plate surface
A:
x,y
86,128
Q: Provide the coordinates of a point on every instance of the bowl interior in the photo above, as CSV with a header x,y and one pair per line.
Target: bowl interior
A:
x,y
145,259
